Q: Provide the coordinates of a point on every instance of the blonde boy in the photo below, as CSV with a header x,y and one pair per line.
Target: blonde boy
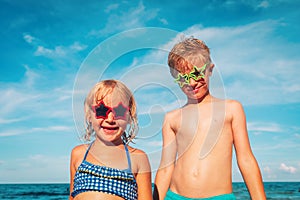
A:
x,y
198,138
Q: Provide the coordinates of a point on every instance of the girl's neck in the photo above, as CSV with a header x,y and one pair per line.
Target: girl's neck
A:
x,y
101,143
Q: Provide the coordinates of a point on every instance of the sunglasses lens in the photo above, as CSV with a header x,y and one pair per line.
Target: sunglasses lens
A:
x,y
101,111
196,74
120,111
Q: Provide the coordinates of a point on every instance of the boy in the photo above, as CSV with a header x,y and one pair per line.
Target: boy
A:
x,y
198,138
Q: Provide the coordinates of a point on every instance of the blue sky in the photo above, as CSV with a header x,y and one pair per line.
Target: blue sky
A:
x,y
54,51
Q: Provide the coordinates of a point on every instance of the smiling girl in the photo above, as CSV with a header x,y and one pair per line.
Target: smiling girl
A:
x,y
107,167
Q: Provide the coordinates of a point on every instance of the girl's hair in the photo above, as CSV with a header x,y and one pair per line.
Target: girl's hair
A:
x,y
98,93
187,53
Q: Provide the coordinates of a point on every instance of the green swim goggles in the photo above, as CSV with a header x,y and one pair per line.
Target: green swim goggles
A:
x,y
196,74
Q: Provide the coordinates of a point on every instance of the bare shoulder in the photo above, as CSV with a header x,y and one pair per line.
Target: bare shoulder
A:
x,y
173,113
140,159
233,102
171,116
233,105
234,108
78,152
137,152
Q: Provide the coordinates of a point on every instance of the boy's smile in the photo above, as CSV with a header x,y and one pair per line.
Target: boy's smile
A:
x,y
196,89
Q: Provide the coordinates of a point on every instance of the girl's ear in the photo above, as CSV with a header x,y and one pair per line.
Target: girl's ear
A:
x,y
88,117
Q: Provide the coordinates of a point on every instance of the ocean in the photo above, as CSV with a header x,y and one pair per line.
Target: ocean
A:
x,y
274,190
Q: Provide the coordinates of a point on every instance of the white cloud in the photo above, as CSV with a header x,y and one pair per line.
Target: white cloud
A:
x,y
28,38
28,130
76,46
12,99
30,77
35,169
12,120
267,169
238,63
264,4
60,51
163,21
289,169
264,127
134,17
111,7
252,73
254,67
28,97
269,174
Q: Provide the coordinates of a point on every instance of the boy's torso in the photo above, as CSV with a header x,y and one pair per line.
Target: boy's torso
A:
x,y
204,149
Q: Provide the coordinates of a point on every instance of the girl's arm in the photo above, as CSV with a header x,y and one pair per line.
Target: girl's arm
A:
x,y
143,177
245,158
72,173
164,173
76,156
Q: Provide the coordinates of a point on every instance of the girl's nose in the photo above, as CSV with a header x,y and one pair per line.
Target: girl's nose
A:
x,y
110,117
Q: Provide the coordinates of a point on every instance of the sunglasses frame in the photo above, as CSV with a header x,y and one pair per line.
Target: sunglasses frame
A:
x,y
184,79
111,109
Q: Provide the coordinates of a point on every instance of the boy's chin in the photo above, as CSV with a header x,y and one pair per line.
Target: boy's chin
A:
x,y
196,96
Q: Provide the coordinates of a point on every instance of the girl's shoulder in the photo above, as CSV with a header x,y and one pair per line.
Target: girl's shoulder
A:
x,y
136,151
79,151
138,155
139,160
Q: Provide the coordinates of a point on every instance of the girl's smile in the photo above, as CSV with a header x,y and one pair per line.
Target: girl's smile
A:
x,y
110,129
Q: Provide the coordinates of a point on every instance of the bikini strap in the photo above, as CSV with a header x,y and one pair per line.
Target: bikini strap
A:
x,y
128,157
87,151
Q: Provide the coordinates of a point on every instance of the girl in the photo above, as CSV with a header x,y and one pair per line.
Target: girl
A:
x,y
108,168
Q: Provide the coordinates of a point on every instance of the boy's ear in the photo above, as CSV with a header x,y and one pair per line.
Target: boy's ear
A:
x,y
210,69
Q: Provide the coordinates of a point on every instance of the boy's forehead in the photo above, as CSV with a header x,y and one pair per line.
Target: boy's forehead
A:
x,y
187,68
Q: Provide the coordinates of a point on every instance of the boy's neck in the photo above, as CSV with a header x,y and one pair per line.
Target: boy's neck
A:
x,y
206,98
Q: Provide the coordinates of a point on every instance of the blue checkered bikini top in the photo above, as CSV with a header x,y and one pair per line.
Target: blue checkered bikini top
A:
x,y
90,177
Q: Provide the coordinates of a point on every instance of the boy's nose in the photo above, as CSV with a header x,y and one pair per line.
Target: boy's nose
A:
x,y
193,82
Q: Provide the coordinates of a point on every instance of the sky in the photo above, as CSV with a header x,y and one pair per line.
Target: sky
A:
x,y
54,51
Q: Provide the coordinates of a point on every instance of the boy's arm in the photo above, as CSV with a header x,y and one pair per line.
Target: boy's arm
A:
x,y
245,158
164,173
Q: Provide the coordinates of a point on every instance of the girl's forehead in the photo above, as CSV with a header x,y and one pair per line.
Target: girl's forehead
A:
x,y
113,99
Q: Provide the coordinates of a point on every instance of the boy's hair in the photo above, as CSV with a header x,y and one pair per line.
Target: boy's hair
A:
x,y
98,93
187,53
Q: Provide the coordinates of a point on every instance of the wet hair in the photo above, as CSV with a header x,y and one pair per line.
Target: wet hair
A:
x,y
187,53
98,93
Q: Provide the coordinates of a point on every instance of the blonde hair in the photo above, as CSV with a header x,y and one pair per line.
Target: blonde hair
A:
x,y
98,93
187,53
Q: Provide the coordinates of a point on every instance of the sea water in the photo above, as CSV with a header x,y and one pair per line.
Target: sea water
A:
x,y
274,190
